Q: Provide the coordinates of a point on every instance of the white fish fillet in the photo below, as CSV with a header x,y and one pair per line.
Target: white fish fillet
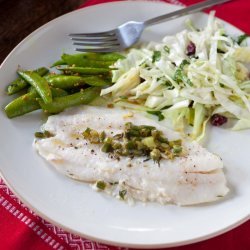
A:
x,y
195,178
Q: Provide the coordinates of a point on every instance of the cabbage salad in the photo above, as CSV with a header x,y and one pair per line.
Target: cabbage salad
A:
x,y
189,78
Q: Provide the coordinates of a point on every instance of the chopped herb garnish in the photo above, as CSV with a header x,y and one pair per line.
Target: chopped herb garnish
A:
x,y
158,114
183,63
242,38
122,193
123,97
179,75
188,81
165,82
167,49
156,56
101,185
168,84
220,51
166,107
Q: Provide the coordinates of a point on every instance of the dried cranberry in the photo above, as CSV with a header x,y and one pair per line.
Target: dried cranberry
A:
x,y
191,49
218,120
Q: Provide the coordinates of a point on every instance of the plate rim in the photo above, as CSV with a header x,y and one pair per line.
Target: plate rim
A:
x,y
124,244
85,235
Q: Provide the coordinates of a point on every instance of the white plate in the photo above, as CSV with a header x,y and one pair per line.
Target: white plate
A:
x,y
73,205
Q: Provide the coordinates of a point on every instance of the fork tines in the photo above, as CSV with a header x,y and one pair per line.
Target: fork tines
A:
x,y
96,42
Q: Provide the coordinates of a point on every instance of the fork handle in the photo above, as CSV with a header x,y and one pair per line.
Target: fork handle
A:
x,y
182,12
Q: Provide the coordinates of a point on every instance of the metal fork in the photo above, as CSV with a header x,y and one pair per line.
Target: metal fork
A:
x,y
129,33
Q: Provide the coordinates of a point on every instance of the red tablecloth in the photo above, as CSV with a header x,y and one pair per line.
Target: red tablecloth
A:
x,y
21,229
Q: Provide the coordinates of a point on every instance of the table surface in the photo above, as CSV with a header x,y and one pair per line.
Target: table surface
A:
x,y
18,18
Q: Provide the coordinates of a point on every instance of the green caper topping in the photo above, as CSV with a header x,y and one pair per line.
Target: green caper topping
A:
x,y
102,136
177,149
130,145
116,145
86,133
177,142
149,142
145,132
118,136
101,185
107,148
45,134
122,193
94,135
155,154
39,134
91,135
136,141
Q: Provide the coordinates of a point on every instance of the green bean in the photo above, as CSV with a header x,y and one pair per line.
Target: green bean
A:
x,y
85,71
79,61
16,86
65,81
31,89
22,105
20,83
96,81
97,56
109,56
40,84
60,103
57,63
68,82
56,92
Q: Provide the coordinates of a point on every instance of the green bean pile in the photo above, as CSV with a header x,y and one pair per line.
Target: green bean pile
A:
x,y
80,81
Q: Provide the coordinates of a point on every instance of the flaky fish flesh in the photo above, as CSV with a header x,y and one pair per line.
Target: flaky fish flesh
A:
x,y
196,177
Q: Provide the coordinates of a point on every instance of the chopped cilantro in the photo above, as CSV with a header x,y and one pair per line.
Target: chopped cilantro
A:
x,y
242,38
179,75
156,56
157,113
169,85
167,49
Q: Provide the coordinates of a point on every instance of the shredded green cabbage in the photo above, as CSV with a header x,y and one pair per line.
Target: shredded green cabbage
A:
x,y
187,88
